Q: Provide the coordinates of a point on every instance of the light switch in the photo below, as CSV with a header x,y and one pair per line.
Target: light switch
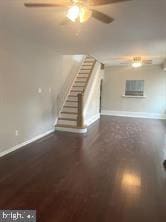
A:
x,y
50,90
17,132
39,90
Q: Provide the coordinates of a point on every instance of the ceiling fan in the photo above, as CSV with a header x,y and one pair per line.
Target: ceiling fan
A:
x,y
135,62
138,61
80,10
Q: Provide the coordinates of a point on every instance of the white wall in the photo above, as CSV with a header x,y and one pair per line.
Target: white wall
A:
x,y
70,67
26,66
71,63
92,96
155,91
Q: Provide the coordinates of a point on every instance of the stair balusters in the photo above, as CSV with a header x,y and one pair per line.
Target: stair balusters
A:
x,y
80,111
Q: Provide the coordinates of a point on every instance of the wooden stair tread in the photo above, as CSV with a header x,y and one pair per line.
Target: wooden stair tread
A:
x,y
72,113
72,101
76,86
83,74
80,81
65,118
72,95
86,65
82,77
70,106
79,86
68,126
89,60
75,90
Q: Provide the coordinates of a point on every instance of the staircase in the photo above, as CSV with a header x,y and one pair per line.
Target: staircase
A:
x,y
71,114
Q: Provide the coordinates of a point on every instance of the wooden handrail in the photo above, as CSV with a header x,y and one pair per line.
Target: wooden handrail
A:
x,y
80,122
102,66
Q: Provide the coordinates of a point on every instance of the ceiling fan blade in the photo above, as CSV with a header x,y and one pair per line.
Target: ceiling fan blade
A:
x,y
42,5
105,2
102,17
148,61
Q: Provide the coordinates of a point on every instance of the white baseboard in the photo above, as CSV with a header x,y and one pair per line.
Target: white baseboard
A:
x,y
134,114
93,119
7,151
71,130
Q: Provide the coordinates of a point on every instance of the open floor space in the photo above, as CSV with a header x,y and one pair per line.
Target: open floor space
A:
x,y
82,111
112,173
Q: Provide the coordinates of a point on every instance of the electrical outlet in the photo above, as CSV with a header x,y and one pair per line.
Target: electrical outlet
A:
x,y
17,133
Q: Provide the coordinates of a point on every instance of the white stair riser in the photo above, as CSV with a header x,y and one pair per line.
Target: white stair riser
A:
x,y
74,93
89,59
82,75
85,66
67,122
71,103
82,84
85,79
70,109
78,88
72,98
84,71
73,116
89,64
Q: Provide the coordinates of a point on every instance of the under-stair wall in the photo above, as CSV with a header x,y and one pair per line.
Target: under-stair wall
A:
x,y
92,96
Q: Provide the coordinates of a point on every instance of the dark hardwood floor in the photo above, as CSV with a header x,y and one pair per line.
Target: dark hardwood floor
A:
x,y
112,174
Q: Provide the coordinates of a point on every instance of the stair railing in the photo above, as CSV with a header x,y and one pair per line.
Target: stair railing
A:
x,y
80,119
61,98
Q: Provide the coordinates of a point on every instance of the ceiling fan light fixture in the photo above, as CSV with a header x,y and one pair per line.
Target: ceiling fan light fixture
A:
x,y
73,13
137,62
85,14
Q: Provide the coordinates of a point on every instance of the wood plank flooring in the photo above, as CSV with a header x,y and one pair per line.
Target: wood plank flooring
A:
x,y
114,173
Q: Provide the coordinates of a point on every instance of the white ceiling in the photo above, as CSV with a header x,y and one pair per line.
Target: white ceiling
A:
x,y
138,29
